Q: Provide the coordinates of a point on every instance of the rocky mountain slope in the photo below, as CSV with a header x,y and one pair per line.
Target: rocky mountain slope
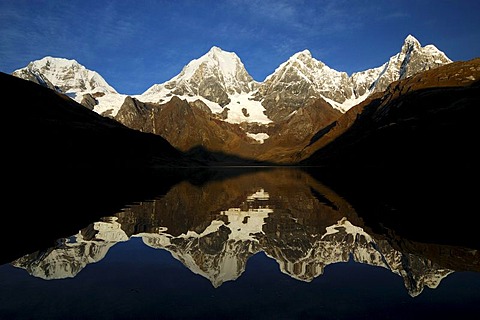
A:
x,y
190,127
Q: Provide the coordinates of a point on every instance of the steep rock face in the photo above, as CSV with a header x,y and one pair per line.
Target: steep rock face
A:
x,y
89,101
135,114
298,82
33,74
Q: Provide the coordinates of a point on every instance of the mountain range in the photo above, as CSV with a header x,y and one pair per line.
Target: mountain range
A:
x,y
213,110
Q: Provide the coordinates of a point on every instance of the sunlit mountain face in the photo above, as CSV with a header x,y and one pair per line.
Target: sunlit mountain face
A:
x,y
214,228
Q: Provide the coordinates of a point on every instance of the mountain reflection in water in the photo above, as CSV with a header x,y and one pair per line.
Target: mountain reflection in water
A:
x,y
213,229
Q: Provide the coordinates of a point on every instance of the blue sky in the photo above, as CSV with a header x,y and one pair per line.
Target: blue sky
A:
x,y
135,44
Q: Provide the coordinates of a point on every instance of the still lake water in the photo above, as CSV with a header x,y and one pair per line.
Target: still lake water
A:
x,y
273,244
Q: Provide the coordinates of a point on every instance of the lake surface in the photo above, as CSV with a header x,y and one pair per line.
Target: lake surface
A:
x,y
253,244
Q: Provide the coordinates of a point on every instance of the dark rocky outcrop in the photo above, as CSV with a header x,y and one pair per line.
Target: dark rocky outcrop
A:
x,y
89,101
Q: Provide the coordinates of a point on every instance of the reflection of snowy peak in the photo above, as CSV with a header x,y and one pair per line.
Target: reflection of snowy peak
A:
x,y
65,261
306,259
221,251
417,272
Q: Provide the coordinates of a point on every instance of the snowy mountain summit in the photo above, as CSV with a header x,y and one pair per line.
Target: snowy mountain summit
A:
x,y
67,76
214,76
70,77
220,80
299,81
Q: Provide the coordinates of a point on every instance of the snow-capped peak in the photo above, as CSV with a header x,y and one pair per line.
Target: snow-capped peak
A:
x,y
220,80
300,80
302,62
217,66
227,66
73,79
302,55
68,76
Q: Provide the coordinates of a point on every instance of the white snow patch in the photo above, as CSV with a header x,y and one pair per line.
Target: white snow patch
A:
x,y
109,102
254,109
259,195
260,137
245,224
348,103
159,94
349,228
